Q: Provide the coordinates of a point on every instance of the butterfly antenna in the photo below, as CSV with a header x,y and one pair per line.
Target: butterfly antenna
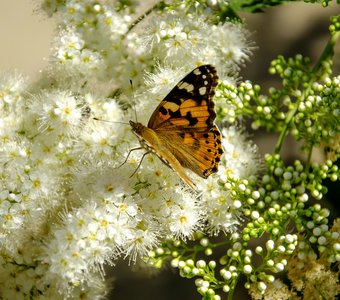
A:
x,y
133,100
113,122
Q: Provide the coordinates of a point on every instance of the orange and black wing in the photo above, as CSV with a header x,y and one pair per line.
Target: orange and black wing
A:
x,y
189,105
185,122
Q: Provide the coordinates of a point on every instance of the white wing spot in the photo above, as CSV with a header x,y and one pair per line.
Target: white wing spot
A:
x,y
205,82
186,86
204,76
202,90
197,72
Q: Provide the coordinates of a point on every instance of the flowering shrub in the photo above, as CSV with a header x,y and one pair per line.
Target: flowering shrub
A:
x,y
68,206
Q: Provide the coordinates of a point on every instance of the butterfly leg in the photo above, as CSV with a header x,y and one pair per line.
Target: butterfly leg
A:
x,y
133,149
140,162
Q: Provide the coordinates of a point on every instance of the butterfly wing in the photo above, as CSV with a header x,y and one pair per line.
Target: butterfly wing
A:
x,y
199,152
189,105
184,121
207,149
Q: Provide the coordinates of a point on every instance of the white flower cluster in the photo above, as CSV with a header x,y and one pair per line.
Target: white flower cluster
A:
x,y
66,207
189,40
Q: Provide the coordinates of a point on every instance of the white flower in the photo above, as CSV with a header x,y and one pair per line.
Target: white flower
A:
x,y
12,104
188,40
231,42
240,154
98,140
113,23
142,242
73,57
183,221
59,112
218,207
69,47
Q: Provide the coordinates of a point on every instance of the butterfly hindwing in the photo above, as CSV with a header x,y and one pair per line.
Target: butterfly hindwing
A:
x,y
207,148
189,104
199,152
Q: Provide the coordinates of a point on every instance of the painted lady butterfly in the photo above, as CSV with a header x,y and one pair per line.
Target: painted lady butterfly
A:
x,y
181,131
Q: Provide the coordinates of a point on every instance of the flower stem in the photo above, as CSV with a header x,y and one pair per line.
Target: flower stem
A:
x,y
327,52
231,291
310,151
284,132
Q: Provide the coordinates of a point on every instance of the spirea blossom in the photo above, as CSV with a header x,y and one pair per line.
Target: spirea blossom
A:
x,y
189,40
68,202
241,155
12,105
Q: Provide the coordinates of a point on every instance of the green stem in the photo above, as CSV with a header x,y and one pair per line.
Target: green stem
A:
x,y
232,289
284,132
327,52
308,159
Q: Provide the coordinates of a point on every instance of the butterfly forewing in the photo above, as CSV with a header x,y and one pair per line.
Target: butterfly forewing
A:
x,y
189,104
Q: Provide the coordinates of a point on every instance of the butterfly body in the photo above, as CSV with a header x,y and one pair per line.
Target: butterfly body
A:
x,y
181,131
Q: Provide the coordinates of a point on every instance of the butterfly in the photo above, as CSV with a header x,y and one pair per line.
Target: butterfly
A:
x,y
181,130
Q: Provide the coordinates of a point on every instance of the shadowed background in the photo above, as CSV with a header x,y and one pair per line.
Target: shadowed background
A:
x,y
27,37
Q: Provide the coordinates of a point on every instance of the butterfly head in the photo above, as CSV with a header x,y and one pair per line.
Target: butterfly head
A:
x,y
146,136
137,128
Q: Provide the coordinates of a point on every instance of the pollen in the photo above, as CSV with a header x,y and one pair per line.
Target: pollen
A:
x,y
104,223
158,173
169,202
122,207
36,183
183,219
103,142
67,111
